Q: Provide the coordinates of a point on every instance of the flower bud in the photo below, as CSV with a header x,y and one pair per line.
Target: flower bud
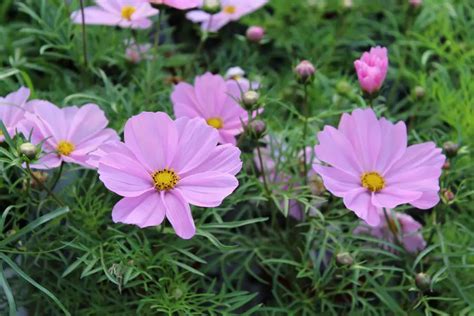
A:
x,y
448,195
419,92
255,34
416,3
343,87
344,259
423,281
250,99
29,150
372,69
211,6
451,149
258,128
305,71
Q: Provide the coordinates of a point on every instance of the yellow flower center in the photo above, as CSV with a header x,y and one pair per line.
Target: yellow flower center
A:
x,y
215,122
372,181
128,11
236,77
165,180
229,9
65,148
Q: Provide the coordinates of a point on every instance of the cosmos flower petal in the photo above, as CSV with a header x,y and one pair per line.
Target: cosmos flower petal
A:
x,y
144,211
95,16
427,200
337,181
87,121
391,197
360,201
394,144
179,214
224,159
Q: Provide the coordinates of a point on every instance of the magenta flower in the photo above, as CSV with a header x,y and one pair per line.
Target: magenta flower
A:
x,y
231,10
370,166
124,13
67,135
178,4
164,166
212,99
372,69
401,228
12,110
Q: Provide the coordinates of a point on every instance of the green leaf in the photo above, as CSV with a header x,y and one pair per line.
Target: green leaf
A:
x,y
8,293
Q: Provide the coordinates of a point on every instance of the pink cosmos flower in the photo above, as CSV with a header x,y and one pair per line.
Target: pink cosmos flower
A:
x,y
164,166
214,100
67,135
178,4
138,52
124,13
12,110
403,226
231,10
370,166
372,69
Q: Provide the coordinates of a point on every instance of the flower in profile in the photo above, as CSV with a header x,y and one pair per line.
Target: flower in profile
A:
x,y
138,52
164,166
212,99
67,135
178,4
231,10
372,69
235,76
12,110
395,228
369,165
305,70
133,14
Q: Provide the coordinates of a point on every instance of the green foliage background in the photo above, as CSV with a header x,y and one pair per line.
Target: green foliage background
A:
x,y
247,258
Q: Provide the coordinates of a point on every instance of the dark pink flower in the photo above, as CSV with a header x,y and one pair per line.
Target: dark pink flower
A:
x,y
372,69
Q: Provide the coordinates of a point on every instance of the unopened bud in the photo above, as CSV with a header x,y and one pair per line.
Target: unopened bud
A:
x,y
344,259
343,87
451,149
416,3
177,293
419,92
211,6
258,128
255,33
29,150
250,99
448,195
423,281
305,71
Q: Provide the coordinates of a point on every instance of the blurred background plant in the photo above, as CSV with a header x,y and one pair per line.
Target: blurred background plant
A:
x,y
247,256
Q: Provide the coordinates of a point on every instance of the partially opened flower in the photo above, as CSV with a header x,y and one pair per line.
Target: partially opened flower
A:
x,y
12,110
231,10
398,228
124,13
370,166
178,4
235,76
372,69
68,135
212,99
164,166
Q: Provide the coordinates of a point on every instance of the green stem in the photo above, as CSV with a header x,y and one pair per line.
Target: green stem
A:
x,y
58,176
305,133
50,193
158,30
84,35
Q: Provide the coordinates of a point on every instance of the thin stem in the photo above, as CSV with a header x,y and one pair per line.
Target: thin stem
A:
x,y
262,169
158,30
305,132
50,193
58,176
84,35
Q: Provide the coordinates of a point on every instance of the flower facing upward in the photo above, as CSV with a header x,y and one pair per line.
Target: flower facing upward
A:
x,y
69,134
372,69
165,165
403,226
123,13
231,10
12,110
370,166
178,4
212,99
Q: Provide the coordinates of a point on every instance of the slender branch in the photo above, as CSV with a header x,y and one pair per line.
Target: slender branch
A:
x,y
158,29
58,176
84,35
50,193
305,132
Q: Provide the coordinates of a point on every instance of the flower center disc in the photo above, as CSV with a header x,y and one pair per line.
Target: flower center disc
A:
x,y
165,180
372,181
229,9
215,122
128,11
65,148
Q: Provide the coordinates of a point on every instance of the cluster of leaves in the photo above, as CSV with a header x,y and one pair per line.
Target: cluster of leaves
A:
x,y
247,257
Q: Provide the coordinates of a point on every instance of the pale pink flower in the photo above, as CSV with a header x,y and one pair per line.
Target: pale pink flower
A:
x,y
231,10
371,167
255,33
237,81
124,13
403,226
178,4
12,110
164,166
67,134
372,69
138,52
212,99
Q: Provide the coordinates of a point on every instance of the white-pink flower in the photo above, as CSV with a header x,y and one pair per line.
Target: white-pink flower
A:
x,y
178,4
231,10
12,110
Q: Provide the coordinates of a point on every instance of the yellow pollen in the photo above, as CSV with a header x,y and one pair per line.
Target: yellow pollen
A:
x,y
128,11
372,181
65,148
229,9
165,180
236,77
215,122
